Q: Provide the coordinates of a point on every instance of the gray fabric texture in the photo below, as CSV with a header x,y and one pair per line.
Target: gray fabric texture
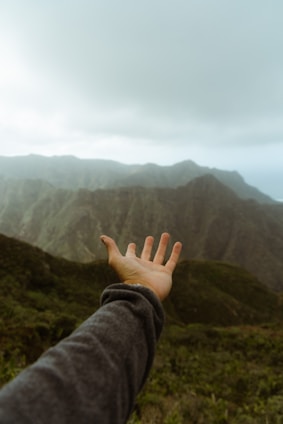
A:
x,y
94,375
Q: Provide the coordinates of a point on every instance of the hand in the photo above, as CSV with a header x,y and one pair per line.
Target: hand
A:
x,y
149,273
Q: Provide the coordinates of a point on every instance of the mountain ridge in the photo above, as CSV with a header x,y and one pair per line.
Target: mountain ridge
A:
x,y
72,173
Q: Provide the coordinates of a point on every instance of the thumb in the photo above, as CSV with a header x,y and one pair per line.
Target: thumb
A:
x,y
112,248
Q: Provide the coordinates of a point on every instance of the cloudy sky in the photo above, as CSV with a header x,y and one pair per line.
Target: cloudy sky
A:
x,y
146,81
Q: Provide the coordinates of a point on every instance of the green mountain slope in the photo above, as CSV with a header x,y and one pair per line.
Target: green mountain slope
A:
x,y
42,298
220,294
205,370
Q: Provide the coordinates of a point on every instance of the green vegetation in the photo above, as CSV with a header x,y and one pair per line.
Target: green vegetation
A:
x,y
205,374
220,357
220,294
42,299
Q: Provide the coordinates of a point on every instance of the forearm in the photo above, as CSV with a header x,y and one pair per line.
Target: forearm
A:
x,y
95,374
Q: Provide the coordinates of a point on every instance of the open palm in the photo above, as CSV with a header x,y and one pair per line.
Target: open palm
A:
x,y
153,274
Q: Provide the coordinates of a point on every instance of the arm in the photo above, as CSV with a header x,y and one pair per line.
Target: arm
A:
x,y
95,374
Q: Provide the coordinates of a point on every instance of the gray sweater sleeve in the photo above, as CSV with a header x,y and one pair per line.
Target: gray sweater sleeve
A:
x,y
94,375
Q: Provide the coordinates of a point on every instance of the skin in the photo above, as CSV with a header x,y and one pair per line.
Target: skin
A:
x,y
151,273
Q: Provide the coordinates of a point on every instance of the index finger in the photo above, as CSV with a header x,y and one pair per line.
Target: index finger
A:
x,y
172,261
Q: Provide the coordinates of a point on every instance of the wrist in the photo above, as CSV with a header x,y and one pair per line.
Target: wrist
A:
x,y
142,284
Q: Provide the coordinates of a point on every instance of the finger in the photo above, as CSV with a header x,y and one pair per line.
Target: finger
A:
x,y
147,248
175,254
131,250
111,246
161,250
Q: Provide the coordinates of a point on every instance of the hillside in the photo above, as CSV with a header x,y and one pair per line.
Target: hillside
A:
x,y
217,293
204,371
43,298
211,221
71,173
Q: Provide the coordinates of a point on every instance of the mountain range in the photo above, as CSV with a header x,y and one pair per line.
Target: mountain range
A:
x,y
220,354
212,220
72,173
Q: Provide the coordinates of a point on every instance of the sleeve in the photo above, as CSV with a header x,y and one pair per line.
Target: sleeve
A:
x,y
94,375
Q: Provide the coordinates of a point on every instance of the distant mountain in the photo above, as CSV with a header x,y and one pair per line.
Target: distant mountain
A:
x,y
72,173
210,219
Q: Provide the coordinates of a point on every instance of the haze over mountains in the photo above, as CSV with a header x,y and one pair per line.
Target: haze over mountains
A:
x,y
73,173
214,213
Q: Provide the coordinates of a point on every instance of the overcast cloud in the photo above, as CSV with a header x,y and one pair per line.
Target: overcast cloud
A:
x,y
157,80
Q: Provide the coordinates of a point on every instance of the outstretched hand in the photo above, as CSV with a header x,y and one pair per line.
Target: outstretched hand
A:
x,y
148,272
